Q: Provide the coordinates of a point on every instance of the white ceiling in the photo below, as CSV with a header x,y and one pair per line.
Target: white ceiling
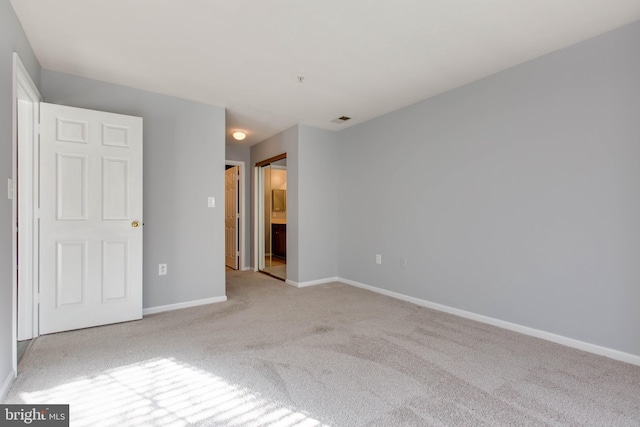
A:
x,y
359,58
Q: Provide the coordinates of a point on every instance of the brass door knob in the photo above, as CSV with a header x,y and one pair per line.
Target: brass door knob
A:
x,y
135,224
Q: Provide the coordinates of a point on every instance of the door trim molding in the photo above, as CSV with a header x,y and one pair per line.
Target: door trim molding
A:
x,y
257,230
21,80
242,264
271,159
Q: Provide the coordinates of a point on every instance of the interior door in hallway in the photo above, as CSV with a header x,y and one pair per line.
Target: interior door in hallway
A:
x,y
90,218
231,216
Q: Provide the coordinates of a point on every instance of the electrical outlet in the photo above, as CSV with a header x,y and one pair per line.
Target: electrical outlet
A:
x,y
403,262
162,269
378,259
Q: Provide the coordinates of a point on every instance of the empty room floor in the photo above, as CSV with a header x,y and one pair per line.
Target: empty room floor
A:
x,y
324,355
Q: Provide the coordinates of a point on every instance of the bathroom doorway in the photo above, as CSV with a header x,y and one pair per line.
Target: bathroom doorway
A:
x,y
272,216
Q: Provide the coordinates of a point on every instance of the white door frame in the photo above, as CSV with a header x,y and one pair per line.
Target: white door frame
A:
x,y
258,220
26,91
242,264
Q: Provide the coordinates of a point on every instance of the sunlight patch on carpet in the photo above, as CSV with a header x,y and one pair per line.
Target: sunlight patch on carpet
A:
x,y
163,391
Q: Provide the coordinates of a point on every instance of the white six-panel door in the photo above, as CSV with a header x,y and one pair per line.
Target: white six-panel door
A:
x,y
90,218
231,217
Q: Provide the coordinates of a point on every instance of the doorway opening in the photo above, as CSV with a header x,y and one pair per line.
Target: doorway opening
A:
x,y
234,215
272,216
26,112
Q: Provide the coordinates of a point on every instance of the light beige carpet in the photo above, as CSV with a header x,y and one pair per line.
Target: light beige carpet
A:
x,y
324,355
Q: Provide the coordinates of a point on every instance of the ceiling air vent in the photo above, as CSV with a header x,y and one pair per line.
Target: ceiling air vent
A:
x,y
341,120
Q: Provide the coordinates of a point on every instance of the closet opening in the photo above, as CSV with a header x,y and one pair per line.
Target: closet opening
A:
x,y
272,216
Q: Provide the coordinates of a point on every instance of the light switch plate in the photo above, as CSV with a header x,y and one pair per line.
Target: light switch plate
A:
x,y
211,202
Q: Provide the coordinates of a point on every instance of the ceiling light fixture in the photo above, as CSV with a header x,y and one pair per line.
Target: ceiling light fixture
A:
x,y
239,135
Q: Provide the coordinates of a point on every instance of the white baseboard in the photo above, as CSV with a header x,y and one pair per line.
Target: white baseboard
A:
x,y
558,339
178,306
6,385
311,282
246,268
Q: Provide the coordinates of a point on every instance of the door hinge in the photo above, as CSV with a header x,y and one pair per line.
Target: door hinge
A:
x,y
37,128
36,298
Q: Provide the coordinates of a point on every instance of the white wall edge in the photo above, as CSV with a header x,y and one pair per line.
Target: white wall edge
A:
x,y
548,336
6,385
247,268
312,282
178,306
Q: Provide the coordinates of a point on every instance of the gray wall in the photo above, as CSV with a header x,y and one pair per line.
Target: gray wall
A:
x,y
243,154
184,154
515,197
317,203
284,142
12,39
311,199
